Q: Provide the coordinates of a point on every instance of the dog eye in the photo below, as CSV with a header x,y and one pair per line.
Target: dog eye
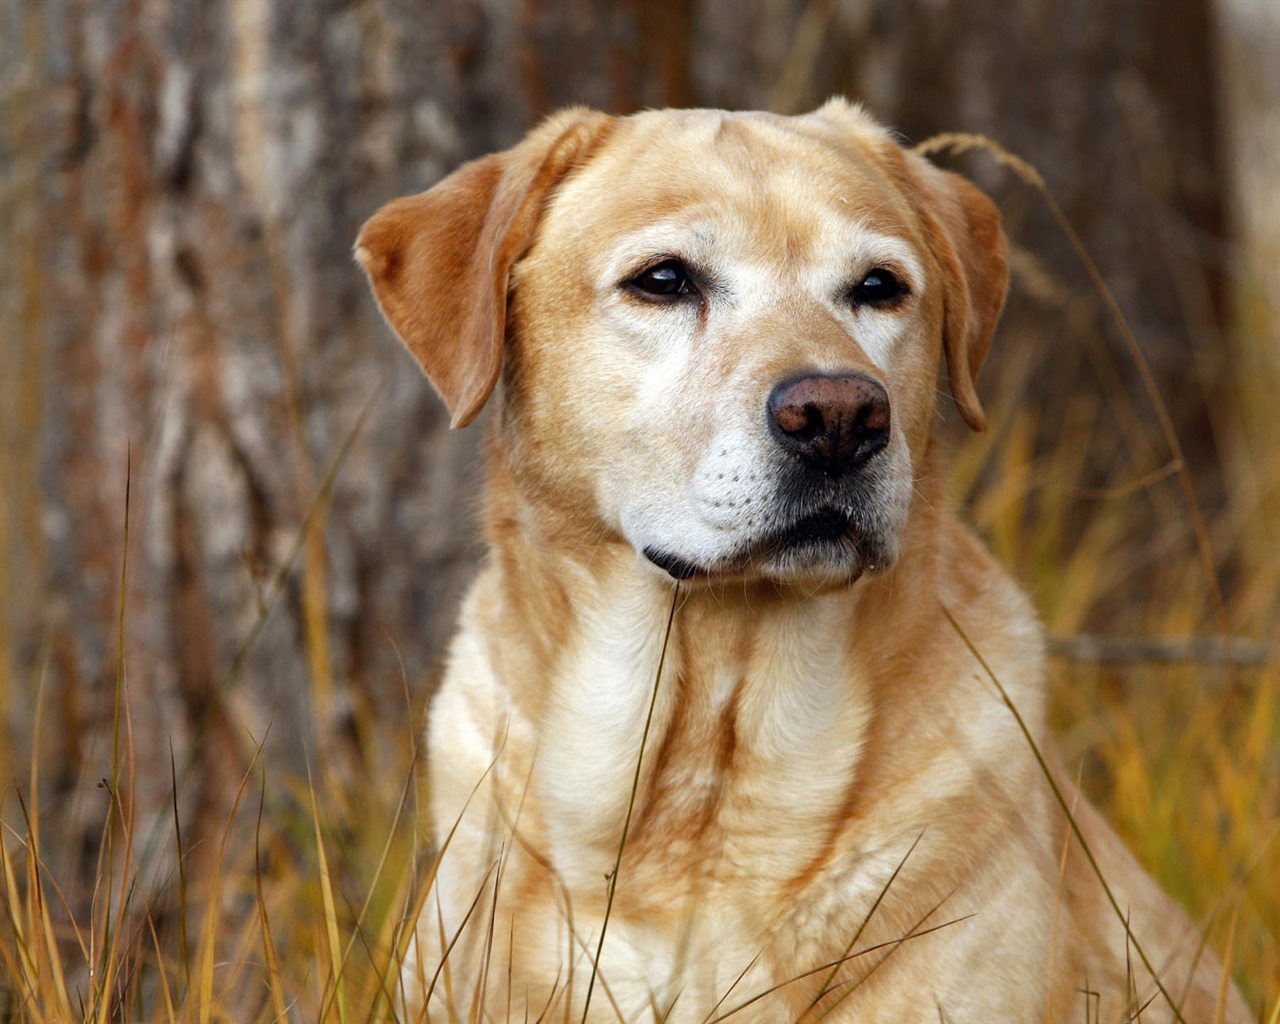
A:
x,y
666,280
880,288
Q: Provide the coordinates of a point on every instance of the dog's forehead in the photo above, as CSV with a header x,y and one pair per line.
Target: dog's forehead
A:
x,y
766,147
762,169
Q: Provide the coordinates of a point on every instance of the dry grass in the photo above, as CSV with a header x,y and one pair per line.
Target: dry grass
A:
x,y
1182,754
299,914
301,911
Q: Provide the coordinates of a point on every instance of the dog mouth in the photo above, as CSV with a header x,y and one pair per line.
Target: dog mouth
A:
x,y
825,526
676,566
826,540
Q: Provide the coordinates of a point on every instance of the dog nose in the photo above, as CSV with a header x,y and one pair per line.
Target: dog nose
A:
x,y
834,422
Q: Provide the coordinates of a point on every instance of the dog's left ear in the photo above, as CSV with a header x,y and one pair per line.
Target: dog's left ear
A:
x,y
966,235
440,261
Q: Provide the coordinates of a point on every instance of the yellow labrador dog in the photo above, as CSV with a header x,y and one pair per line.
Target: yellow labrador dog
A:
x,y
726,610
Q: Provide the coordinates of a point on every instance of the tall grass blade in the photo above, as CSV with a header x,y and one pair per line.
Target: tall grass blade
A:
x,y
22,967
443,966
104,972
893,947
171,1013
184,951
889,945
357,927
208,942
274,986
1066,810
420,900
631,803
729,991
959,142
826,985
330,909
486,960
57,986
1224,984
275,589
36,874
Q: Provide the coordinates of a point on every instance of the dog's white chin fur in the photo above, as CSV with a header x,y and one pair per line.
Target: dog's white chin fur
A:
x,y
808,569
807,565
871,544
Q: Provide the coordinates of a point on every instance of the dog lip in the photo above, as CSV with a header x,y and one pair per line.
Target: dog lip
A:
x,y
828,524
673,564
827,528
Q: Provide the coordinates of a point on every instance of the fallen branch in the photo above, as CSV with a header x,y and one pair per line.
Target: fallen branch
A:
x,y
1162,650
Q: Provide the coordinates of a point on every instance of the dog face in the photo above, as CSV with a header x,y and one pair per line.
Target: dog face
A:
x,y
724,332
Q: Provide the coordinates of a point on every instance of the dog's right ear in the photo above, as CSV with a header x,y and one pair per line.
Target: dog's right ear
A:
x,y
440,261
974,252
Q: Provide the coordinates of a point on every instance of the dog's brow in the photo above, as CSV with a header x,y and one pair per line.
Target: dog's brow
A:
x,y
863,249
845,243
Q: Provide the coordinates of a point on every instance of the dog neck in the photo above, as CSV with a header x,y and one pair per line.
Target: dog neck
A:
x,y
738,693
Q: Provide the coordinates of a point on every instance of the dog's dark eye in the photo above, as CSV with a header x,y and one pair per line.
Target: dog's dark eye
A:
x,y
666,280
879,288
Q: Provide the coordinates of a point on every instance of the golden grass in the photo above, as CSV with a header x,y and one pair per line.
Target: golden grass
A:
x,y
1184,756
303,911
284,931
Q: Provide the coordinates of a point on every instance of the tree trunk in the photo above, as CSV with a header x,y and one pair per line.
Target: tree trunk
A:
x,y
1249,40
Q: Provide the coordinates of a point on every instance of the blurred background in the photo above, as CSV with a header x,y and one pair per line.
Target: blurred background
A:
x,y
234,525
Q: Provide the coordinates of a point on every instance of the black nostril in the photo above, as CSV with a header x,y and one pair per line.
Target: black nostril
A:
x,y
803,422
836,422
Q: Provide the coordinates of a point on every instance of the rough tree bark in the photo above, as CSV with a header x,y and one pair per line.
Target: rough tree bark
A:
x,y
180,184
1248,40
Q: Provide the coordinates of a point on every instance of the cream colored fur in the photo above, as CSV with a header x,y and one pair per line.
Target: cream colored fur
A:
x,y
836,812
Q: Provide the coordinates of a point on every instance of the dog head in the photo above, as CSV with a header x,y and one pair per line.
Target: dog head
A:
x,y
719,334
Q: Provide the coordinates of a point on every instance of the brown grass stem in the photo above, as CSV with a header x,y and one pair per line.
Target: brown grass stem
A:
x,y
425,890
274,986
206,954
729,991
1162,650
890,945
330,908
184,953
827,984
106,964
960,142
359,918
442,967
631,803
1066,810
275,590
